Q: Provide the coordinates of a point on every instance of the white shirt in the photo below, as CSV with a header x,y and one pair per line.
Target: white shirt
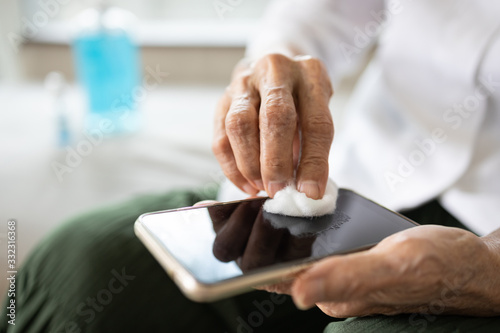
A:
x,y
424,119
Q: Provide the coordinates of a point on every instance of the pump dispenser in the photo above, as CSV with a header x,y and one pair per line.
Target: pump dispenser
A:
x,y
107,65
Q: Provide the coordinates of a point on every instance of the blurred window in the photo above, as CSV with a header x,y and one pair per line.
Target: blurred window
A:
x,y
156,9
214,23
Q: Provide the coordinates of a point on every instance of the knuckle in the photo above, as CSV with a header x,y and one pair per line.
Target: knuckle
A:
x,y
313,169
245,77
277,94
241,103
312,64
240,121
467,237
320,125
241,82
275,66
316,69
279,112
275,163
314,162
279,118
427,264
273,59
406,241
237,124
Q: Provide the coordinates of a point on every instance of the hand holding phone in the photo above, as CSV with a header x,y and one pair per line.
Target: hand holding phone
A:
x,y
224,249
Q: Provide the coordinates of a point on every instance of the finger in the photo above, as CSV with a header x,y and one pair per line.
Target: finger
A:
x,y
279,288
316,127
343,278
232,237
278,122
242,127
223,152
283,286
347,309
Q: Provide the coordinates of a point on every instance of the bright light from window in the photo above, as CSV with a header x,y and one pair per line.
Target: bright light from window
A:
x,y
158,9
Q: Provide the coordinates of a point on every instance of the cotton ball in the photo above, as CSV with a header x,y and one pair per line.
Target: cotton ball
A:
x,y
291,202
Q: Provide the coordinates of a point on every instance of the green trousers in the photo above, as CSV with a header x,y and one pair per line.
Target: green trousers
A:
x,y
93,275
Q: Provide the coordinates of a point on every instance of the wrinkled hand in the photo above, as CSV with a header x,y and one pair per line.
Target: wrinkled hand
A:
x,y
273,111
422,269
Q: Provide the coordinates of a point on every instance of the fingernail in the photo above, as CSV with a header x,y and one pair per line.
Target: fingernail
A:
x,y
247,188
273,187
308,294
310,189
259,184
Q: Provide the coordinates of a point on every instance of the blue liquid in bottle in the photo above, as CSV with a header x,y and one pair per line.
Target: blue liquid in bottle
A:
x,y
107,64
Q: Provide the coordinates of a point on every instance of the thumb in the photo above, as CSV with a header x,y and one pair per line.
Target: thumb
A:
x,y
336,279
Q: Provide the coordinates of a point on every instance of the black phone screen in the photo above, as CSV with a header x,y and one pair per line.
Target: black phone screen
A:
x,y
232,239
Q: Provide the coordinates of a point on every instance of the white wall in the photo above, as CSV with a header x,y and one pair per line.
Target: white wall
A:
x,y
161,9
9,25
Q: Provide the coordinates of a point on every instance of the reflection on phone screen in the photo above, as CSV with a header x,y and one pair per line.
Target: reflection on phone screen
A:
x,y
228,240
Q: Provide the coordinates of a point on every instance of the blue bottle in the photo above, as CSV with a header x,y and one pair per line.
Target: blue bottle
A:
x,y
107,65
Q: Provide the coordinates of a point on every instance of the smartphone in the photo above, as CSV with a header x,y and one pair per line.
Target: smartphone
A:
x,y
225,249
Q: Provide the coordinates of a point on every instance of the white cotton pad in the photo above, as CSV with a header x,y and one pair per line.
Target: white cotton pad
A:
x,y
291,202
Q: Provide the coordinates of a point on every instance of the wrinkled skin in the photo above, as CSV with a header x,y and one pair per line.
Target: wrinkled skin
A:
x,y
258,121
428,269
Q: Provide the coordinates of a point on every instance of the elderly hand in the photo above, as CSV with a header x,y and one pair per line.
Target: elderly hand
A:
x,y
274,111
426,269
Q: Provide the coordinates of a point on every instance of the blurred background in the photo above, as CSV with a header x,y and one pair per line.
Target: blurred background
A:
x,y
102,101
194,39
51,167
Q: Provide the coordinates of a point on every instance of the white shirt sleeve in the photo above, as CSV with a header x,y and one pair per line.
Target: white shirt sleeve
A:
x,y
339,32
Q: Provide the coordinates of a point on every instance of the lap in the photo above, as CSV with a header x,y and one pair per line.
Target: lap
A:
x,y
414,323
93,275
